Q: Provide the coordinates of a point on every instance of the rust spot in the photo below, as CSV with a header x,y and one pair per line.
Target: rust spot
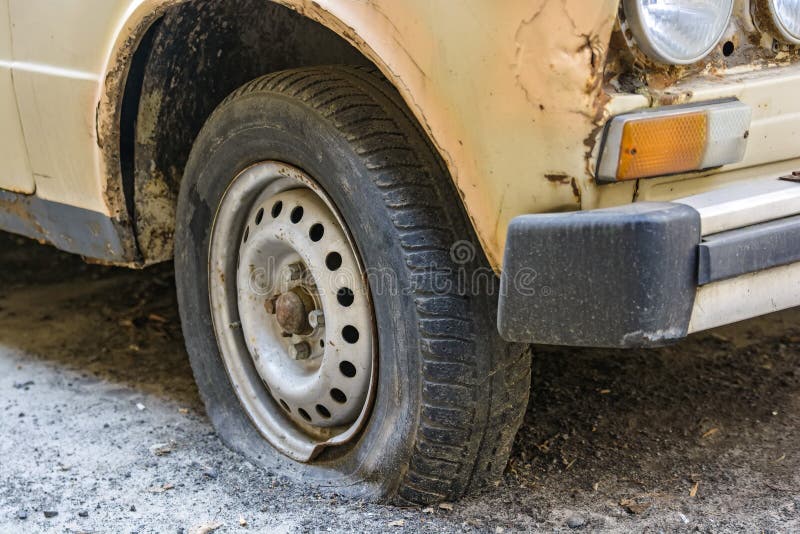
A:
x,y
598,120
591,44
559,178
670,98
751,39
576,190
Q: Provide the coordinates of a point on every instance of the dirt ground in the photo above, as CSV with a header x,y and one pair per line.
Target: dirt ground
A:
x,y
100,423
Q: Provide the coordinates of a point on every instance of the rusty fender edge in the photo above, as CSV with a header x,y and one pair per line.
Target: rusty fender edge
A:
x,y
76,230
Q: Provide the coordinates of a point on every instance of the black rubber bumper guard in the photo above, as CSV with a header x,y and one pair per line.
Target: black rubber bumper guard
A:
x,y
626,276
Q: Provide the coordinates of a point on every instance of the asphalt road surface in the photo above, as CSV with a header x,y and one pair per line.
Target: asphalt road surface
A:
x,y
101,427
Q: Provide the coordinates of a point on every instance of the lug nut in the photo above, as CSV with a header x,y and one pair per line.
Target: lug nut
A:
x,y
300,351
316,319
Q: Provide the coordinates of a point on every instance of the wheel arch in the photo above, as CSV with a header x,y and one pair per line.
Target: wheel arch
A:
x,y
143,133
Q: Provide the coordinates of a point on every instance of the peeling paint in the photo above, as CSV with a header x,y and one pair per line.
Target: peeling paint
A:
x,y
575,190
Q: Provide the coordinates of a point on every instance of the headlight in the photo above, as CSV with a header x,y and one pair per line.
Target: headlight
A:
x,y
679,32
786,17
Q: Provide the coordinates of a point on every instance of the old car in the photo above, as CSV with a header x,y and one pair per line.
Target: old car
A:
x,y
374,208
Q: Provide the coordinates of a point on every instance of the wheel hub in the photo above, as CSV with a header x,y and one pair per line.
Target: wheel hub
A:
x,y
292,314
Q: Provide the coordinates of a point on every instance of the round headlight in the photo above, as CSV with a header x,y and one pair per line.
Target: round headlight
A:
x,y
678,32
786,16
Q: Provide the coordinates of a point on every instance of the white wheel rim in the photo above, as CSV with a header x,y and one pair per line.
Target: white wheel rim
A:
x,y
291,311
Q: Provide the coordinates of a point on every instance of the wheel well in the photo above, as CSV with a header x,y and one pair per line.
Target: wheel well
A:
x,y
189,61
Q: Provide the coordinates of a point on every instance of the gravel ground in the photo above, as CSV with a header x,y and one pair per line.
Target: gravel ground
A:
x,y
100,423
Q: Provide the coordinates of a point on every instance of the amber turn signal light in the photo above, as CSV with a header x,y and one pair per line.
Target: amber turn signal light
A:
x,y
674,140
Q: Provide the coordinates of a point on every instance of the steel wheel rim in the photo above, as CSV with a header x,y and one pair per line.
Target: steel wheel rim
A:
x,y
291,311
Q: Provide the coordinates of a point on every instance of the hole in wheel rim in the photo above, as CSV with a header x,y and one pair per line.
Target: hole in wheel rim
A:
x,y
316,232
297,215
338,395
277,208
304,414
347,369
259,216
285,406
333,261
350,334
323,411
345,297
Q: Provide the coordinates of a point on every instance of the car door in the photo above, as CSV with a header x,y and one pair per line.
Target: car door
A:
x,y
15,169
60,49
